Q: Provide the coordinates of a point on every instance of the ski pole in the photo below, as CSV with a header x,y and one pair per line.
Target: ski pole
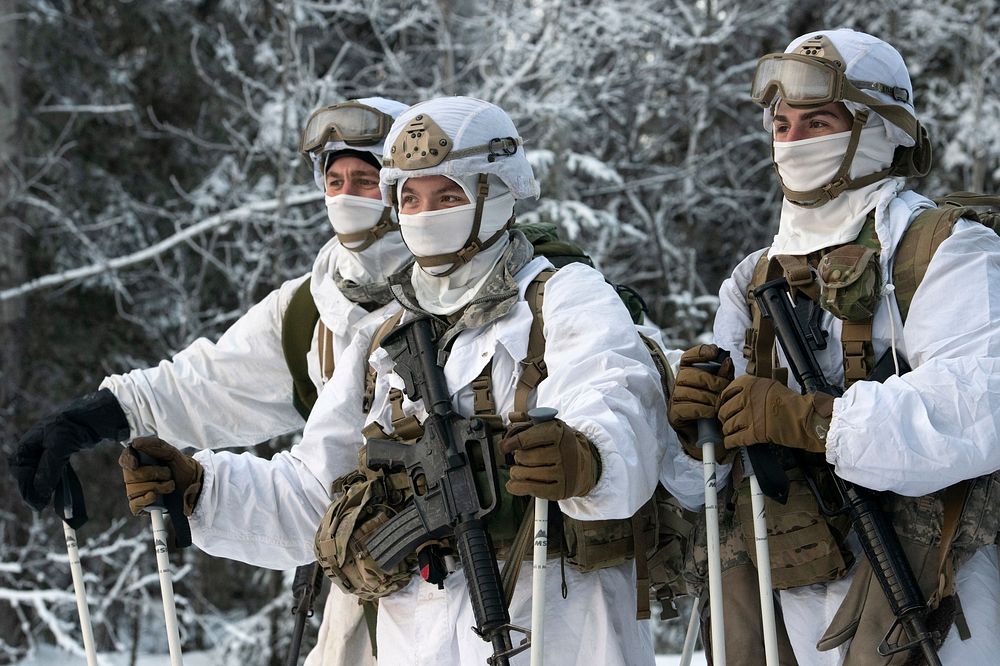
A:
x,y
691,637
540,556
710,434
156,512
76,571
763,564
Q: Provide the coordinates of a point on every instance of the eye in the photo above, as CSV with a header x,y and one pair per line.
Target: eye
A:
x,y
818,124
780,129
407,200
334,183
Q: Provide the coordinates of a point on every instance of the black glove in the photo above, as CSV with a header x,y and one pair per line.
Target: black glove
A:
x,y
43,453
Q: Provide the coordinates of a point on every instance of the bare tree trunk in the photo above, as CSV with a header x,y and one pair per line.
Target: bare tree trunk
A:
x,y
13,267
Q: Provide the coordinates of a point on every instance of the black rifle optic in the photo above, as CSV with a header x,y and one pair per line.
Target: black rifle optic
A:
x,y
877,536
447,502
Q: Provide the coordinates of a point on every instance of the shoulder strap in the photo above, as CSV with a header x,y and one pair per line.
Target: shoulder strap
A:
x,y
380,333
919,243
533,369
758,343
297,328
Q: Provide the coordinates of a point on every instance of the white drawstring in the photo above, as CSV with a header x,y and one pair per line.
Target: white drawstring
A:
x,y
887,291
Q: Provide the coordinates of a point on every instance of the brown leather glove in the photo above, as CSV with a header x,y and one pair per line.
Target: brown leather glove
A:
x,y
144,483
755,410
551,460
696,395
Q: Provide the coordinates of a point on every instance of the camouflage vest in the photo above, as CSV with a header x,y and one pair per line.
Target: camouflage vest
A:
x,y
658,532
940,530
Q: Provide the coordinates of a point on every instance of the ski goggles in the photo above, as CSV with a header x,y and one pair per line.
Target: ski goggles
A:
x,y
802,80
353,123
808,80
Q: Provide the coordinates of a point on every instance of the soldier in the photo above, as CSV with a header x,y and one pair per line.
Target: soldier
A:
x,y
260,378
839,105
455,167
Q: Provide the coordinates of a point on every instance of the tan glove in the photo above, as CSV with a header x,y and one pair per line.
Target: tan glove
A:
x,y
756,410
144,483
551,460
696,395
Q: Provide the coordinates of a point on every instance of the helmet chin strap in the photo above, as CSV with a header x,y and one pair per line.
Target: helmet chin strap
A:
x,y
384,225
841,181
473,245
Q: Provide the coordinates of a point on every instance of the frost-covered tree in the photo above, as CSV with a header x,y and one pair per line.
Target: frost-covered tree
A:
x,y
151,193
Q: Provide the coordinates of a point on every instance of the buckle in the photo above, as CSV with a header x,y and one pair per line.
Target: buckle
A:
x,y
501,147
466,254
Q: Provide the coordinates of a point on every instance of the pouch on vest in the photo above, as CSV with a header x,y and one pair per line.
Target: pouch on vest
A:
x,y
805,545
367,502
850,282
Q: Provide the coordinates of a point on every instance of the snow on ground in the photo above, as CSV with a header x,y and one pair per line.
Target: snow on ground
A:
x,y
48,655
53,656
675,659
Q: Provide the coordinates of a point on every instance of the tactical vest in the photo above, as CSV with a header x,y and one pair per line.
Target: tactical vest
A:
x,y
942,529
656,536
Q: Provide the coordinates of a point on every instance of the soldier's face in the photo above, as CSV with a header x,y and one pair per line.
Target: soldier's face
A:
x,y
350,175
792,124
429,193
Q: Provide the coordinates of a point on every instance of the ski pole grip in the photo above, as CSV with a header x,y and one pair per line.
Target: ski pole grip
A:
x,y
710,430
145,460
542,414
172,504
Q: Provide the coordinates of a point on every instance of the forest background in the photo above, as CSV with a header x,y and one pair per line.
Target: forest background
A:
x,y
150,193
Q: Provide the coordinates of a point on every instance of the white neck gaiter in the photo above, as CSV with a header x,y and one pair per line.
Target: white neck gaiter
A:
x,y
812,163
350,214
444,231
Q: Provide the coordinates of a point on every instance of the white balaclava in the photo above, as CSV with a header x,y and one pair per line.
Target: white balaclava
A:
x,y
364,226
812,163
475,144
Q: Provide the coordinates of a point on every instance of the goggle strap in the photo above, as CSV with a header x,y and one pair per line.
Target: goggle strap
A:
x,y
369,236
895,114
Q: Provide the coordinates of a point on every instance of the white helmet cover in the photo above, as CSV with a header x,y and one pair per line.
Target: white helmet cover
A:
x,y
469,123
388,106
866,58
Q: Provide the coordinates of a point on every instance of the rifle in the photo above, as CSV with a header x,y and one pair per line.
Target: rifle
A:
x,y
875,532
447,502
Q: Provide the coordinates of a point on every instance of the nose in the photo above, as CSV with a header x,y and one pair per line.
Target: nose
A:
x,y
350,187
795,133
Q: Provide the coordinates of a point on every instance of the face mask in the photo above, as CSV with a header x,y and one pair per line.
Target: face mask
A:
x,y
444,231
812,163
350,214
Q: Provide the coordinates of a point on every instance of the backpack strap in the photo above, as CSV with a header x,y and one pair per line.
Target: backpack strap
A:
x,y
919,243
759,342
297,327
533,369
380,333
